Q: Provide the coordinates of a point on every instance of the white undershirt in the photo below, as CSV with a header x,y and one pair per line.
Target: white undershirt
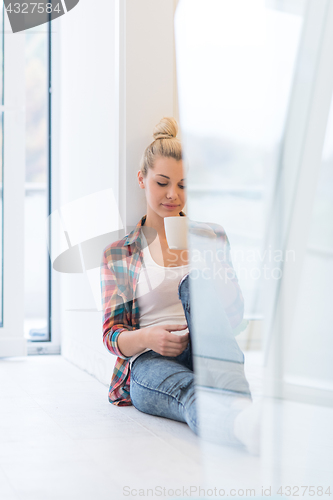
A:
x,y
157,294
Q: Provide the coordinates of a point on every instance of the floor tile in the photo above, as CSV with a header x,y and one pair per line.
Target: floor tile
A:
x,y
60,438
6,490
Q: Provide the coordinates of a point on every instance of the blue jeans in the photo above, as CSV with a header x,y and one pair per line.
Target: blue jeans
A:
x,y
165,386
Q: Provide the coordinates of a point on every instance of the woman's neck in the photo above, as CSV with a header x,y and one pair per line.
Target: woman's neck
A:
x,y
156,222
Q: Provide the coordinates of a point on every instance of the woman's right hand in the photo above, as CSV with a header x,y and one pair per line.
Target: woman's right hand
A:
x,y
161,340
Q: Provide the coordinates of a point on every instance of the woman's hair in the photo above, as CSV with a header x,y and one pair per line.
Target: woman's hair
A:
x,y
165,144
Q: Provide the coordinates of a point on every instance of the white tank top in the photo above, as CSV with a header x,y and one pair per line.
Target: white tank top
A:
x,y
157,294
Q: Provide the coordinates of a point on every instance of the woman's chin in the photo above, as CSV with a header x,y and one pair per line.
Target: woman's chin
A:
x,y
170,212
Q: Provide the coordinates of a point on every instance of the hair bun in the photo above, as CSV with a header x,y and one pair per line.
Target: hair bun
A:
x,y
167,128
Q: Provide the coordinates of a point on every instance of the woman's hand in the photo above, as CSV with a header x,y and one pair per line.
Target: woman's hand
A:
x,y
161,340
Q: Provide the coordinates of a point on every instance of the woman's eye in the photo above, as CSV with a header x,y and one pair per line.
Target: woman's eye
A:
x,y
165,184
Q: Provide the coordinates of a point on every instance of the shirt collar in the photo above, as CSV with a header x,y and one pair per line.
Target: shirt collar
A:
x,y
133,235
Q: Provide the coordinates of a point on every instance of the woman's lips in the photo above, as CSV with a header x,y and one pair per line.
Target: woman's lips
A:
x,y
170,207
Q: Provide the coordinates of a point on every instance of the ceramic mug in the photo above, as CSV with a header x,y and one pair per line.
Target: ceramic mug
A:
x,y
176,229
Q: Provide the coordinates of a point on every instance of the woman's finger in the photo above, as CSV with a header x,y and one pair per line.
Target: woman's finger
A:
x,y
177,339
174,328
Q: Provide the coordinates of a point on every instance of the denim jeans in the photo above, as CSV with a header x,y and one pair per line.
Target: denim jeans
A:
x,y
165,386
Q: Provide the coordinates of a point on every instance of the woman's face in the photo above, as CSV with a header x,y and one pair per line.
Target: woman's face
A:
x,y
165,187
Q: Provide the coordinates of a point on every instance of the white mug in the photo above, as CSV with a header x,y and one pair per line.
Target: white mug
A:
x,y
176,229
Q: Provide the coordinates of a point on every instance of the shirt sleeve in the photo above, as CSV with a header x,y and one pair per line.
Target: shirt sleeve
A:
x,y
114,310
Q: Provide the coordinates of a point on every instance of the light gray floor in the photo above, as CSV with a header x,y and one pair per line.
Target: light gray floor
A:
x,y
61,439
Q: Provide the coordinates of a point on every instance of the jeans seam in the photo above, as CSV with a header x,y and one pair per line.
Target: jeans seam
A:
x,y
159,391
194,424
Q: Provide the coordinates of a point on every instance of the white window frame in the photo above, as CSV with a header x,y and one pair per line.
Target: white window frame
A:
x,y
292,208
53,346
12,341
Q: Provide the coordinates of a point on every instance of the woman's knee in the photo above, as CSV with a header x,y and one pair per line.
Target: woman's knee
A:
x,y
138,395
184,389
170,398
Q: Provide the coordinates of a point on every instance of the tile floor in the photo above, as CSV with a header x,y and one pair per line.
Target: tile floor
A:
x,y
61,439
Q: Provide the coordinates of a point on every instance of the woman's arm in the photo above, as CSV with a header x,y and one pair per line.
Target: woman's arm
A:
x,y
121,338
114,311
158,338
131,343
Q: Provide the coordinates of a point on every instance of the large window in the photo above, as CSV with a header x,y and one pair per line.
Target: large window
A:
x,y
25,134
255,87
234,91
36,260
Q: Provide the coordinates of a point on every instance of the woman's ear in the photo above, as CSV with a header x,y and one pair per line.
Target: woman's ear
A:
x,y
141,180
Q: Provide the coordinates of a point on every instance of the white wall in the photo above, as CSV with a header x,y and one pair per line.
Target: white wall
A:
x,y
147,81
99,91
87,159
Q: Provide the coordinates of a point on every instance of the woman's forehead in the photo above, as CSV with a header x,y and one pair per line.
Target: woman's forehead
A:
x,y
168,168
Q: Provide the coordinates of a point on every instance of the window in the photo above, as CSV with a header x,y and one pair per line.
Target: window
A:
x,y
25,189
234,91
36,259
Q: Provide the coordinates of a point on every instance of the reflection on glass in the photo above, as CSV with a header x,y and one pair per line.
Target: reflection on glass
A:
x,y
234,97
235,67
36,194
312,367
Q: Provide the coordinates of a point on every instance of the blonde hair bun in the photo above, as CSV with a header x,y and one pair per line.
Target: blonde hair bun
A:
x,y
165,145
167,128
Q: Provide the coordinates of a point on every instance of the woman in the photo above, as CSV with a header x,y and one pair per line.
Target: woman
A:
x,y
145,294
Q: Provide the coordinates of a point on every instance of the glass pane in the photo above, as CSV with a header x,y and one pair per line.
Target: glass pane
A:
x,y
1,157
36,193
234,94
312,337
235,66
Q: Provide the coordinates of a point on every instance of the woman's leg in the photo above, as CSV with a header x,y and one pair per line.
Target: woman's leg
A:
x,y
219,367
164,386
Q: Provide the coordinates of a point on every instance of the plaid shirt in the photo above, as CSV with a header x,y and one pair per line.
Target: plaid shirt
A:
x,y
120,270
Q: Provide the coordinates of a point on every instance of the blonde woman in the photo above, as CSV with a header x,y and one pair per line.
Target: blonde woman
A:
x,y
145,295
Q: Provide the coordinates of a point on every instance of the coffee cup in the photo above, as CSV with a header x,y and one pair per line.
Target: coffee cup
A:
x,y
176,229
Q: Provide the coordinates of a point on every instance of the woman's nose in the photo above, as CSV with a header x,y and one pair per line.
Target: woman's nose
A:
x,y
172,193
